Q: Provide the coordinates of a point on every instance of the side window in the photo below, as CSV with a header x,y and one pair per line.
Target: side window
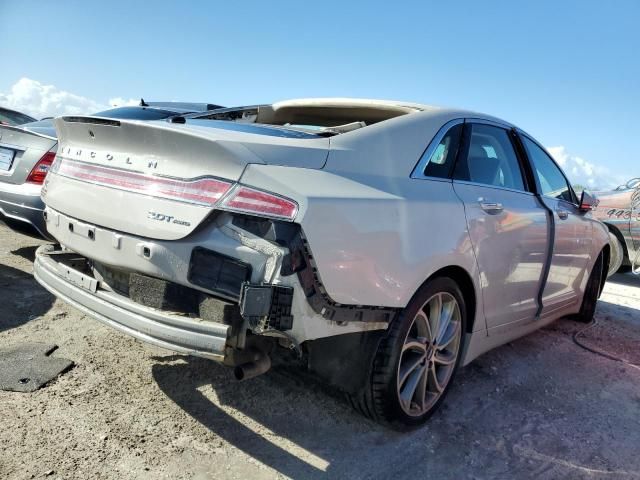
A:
x,y
491,159
552,182
444,155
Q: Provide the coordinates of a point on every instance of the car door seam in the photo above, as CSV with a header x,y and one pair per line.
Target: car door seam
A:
x,y
551,238
475,257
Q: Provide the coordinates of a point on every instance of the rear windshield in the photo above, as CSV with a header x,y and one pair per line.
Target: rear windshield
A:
x,y
44,127
9,117
136,113
260,129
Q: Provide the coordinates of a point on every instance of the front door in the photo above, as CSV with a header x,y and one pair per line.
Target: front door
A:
x,y
572,232
507,224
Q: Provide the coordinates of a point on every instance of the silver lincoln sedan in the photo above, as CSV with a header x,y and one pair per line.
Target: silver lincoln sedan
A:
x,y
385,244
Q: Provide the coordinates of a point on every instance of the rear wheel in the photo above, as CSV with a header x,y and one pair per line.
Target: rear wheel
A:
x,y
617,254
591,293
415,363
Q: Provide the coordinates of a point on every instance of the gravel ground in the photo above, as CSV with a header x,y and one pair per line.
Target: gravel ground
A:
x,y
539,407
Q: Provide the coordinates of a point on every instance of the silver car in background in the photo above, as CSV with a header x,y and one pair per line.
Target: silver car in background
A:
x,y
13,117
27,151
386,243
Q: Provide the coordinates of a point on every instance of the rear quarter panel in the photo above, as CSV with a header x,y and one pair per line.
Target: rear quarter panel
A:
x,y
373,246
375,233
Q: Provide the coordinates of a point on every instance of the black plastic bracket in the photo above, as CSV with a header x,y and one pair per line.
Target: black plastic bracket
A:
x,y
266,306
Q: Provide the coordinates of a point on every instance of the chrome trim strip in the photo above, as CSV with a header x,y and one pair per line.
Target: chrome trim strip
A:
x,y
495,187
12,146
418,170
493,123
20,205
106,170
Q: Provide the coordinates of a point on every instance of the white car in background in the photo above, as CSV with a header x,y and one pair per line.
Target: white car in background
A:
x,y
619,210
387,243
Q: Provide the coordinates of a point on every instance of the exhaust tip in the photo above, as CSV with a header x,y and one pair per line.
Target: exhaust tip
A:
x,y
253,369
238,372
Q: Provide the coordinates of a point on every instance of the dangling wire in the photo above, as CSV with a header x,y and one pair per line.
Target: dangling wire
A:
x,y
576,340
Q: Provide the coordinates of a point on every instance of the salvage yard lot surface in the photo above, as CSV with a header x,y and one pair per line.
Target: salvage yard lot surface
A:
x,y
539,407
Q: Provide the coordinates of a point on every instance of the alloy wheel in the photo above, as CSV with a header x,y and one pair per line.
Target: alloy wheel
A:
x,y
429,354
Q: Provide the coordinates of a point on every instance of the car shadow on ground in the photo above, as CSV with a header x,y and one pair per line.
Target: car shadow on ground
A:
x,y
28,253
512,411
303,414
628,279
21,227
21,298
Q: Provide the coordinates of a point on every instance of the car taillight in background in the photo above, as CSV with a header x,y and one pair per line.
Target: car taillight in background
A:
x,y
255,202
40,170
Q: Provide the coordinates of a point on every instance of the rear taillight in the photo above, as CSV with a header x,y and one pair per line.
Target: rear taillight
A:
x,y
201,191
205,191
255,202
40,170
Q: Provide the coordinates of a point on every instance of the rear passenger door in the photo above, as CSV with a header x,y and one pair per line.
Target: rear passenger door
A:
x,y
572,231
507,224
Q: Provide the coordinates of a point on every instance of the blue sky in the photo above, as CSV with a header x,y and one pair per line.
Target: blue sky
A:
x,y
568,72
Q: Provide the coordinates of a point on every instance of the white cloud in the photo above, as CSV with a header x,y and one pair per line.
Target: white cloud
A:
x,y
39,100
583,172
121,102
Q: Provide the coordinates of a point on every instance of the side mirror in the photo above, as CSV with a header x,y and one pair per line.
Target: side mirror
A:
x,y
587,202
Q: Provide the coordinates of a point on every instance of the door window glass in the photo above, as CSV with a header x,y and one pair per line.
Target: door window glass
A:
x,y
444,155
491,159
551,179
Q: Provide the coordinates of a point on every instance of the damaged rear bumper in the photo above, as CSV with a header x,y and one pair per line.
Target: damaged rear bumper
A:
x,y
174,332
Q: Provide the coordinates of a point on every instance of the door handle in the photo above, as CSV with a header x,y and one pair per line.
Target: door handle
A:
x,y
562,214
490,207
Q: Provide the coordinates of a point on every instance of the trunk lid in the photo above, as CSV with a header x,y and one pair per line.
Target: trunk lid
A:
x,y
114,157
20,150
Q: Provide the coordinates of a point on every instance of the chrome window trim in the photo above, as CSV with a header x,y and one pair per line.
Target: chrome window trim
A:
x,y
495,187
436,179
418,170
493,123
12,146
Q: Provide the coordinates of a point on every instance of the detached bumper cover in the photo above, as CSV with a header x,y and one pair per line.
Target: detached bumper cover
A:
x,y
173,332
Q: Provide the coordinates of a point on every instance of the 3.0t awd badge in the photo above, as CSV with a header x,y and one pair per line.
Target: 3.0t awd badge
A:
x,y
161,217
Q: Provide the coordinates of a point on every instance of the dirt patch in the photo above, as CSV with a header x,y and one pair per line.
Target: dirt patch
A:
x,y
539,407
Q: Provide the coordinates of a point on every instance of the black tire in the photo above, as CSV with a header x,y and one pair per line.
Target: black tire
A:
x,y
616,257
380,399
591,293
